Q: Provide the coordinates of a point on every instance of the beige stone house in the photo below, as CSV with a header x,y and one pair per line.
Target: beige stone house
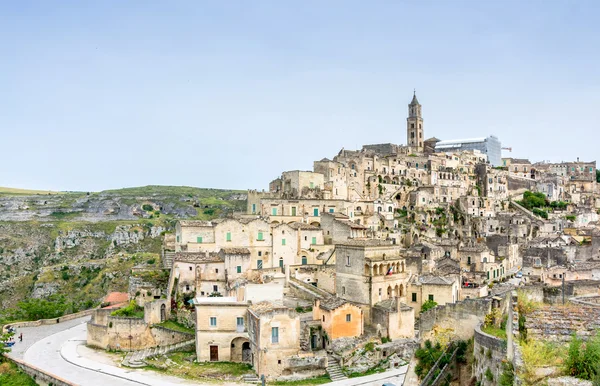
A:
x,y
221,330
274,334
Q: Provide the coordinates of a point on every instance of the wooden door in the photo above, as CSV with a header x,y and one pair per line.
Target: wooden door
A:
x,y
214,353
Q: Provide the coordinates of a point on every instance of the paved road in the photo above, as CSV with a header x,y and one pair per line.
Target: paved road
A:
x,y
60,349
61,353
32,335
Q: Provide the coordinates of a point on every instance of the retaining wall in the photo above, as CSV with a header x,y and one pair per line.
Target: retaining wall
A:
x,y
489,352
40,376
42,322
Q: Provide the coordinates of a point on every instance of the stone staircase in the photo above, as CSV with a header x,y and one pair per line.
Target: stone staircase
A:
x,y
168,259
310,291
334,370
136,358
250,378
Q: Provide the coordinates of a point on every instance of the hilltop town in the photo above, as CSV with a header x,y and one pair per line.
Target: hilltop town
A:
x,y
435,262
347,269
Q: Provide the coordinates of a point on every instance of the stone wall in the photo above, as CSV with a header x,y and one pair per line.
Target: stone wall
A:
x,y
461,317
40,376
557,323
304,366
42,322
489,352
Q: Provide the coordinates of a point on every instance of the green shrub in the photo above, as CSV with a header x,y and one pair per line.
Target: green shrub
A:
x,y
147,207
583,359
429,304
370,346
130,311
488,375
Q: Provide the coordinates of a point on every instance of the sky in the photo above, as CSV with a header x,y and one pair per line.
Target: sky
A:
x,y
107,94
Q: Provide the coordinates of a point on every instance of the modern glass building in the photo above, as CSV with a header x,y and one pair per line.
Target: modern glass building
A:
x,y
490,146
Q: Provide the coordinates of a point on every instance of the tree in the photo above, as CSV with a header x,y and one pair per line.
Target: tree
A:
x,y
597,175
5,337
35,309
429,304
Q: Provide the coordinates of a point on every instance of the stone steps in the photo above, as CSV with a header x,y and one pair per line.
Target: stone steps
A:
x,y
250,378
136,358
334,370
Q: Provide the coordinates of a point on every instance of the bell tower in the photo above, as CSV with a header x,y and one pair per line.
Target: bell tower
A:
x,y
414,125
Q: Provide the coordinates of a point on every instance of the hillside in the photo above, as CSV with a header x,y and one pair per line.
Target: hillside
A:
x,y
75,247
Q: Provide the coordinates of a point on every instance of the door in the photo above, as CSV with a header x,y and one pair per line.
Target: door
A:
x,y
214,353
246,353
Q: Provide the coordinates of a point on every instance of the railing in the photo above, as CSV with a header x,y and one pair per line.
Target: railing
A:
x,y
435,375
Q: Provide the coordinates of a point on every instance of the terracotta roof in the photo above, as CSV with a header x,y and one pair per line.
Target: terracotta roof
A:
x,y
235,251
434,280
352,225
391,304
195,223
303,226
368,243
332,303
116,297
266,307
197,257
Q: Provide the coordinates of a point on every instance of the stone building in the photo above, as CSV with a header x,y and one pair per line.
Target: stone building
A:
x,y
339,318
221,330
370,271
274,334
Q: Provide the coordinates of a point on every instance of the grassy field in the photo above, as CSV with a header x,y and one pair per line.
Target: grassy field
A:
x,y
15,191
205,372
310,381
171,325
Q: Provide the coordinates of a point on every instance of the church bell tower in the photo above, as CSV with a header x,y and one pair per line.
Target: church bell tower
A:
x,y
414,126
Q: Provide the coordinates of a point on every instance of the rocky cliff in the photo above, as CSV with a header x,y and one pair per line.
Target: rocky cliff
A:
x,y
83,245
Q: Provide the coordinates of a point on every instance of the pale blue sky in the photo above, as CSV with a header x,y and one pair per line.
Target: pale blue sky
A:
x,y
227,94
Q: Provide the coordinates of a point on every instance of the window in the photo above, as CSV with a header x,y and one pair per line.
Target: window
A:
x,y
228,236
281,262
191,268
177,238
414,296
253,208
323,317
469,260
240,321
187,287
305,238
216,270
314,241
380,292
260,236
348,318
239,269
330,210
258,264
273,211
282,241
215,288
315,212
347,261
430,297
259,253
304,260
274,334
213,321
312,185
343,290
199,239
